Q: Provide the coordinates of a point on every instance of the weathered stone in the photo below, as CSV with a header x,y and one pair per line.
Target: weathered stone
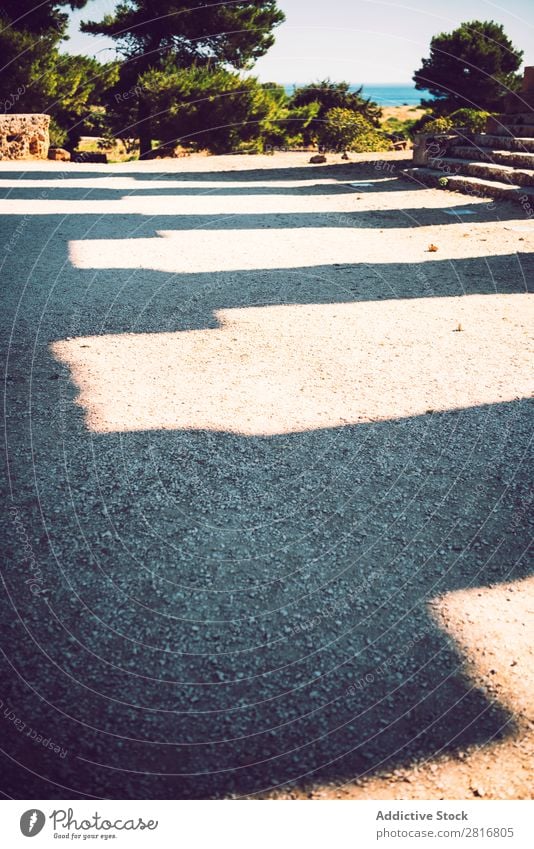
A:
x,y
317,159
518,116
24,136
495,164
58,153
427,145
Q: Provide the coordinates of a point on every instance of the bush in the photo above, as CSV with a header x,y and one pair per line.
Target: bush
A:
x,y
325,95
437,125
473,120
396,127
344,129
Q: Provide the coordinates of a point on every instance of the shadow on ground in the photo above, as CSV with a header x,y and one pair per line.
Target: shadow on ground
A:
x,y
193,614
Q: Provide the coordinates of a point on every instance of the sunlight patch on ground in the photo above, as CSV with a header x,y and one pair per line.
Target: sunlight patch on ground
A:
x,y
218,201
286,369
493,629
161,182
211,251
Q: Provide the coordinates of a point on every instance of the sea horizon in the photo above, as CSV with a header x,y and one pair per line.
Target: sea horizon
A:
x,y
384,94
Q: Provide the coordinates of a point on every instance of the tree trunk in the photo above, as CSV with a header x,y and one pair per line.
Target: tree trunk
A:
x,y
145,131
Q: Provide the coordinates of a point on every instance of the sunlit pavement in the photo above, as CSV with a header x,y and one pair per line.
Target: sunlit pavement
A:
x,y
267,437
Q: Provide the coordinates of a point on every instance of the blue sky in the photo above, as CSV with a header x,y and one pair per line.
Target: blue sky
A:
x,y
358,40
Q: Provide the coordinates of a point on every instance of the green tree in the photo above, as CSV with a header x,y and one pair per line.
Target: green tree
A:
x,y
473,66
219,110
290,125
36,77
77,86
37,17
331,95
172,35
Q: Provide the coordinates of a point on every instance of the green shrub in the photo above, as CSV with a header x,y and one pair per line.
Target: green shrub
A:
x,y
344,129
473,120
325,95
438,125
399,128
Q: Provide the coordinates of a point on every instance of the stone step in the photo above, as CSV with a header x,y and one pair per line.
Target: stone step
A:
x,y
521,102
485,170
475,186
520,124
516,130
505,142
498,157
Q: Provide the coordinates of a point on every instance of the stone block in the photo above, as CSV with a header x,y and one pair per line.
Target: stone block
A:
x,y
59,154
24,136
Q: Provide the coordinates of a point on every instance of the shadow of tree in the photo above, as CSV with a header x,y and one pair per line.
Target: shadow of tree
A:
x,y
216,614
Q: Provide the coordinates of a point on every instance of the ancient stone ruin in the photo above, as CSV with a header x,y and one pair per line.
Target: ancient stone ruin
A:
x,y
518,116
24,136
498,163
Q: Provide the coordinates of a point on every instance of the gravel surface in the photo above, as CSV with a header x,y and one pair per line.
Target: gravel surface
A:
x,y
268,491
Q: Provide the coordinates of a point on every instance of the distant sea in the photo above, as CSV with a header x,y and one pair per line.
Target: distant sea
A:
x,y
388,94
394,95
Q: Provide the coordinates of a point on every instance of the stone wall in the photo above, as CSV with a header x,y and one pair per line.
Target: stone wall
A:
x,y
517,118
24,136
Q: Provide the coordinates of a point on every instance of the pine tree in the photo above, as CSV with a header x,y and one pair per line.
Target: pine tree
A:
x,y
473,66
157,34
36,77
37,17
